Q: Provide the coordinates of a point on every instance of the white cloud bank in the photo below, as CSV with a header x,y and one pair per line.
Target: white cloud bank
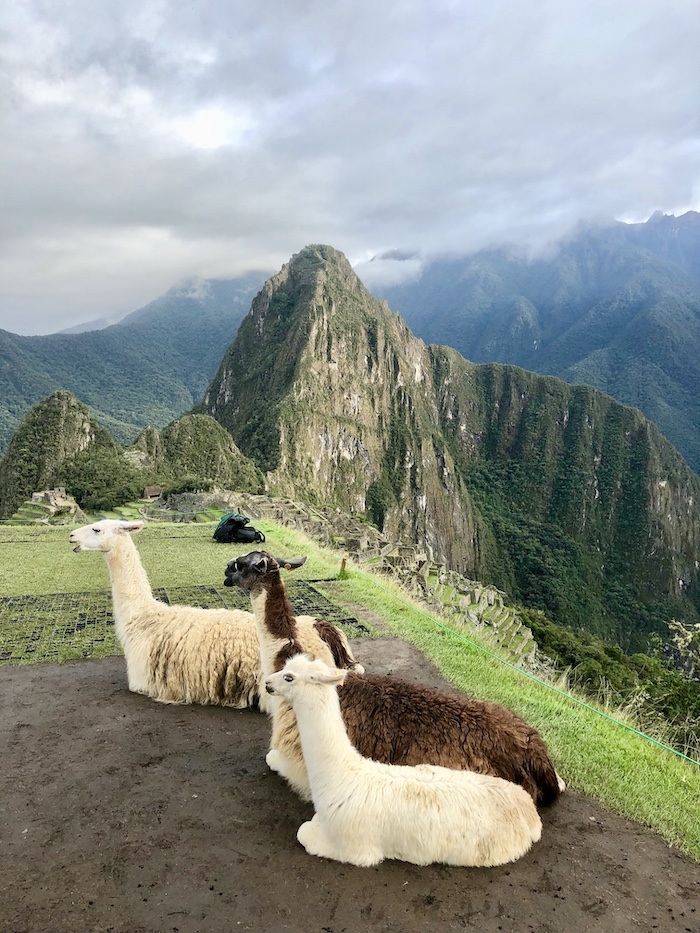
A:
x,y
147,141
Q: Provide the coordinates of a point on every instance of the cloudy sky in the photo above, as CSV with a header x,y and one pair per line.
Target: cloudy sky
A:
x,y
147,141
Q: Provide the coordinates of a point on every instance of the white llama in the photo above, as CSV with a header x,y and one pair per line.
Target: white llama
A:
x,y
174,654
367,811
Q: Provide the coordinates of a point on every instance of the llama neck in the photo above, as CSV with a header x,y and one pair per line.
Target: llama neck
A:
x,y
130,586
275,623
325,744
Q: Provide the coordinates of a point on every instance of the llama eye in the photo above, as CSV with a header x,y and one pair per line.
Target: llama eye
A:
x,y
97,530
288,678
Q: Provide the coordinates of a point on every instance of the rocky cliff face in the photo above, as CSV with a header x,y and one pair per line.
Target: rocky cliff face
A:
x,y
556,493
332,396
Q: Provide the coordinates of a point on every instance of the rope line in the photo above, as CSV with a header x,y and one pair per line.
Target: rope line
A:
x,y
543,683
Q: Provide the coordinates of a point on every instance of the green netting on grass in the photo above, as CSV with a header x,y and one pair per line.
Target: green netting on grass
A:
x,y
64,626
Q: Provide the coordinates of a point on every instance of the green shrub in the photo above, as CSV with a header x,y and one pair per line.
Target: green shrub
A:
x,y
100,478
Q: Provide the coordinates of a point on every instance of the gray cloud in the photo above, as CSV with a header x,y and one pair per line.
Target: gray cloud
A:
x,y
148,141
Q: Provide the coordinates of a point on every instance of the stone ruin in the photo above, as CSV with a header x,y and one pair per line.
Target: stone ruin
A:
x,y
55,506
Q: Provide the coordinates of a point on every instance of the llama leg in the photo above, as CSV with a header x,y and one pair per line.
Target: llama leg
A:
x,y
138,668
357,845
274,760
361,853
292,771
562,784
317,840
307,833
137,680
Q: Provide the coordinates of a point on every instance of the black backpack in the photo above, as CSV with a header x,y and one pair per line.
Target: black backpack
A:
x,y
232,530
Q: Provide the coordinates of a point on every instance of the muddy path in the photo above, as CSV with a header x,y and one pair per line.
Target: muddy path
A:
x,y
123,815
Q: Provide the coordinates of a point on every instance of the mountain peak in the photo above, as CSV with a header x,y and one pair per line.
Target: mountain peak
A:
x,y
304,319
318,255
315,264
55,430
317,280
689,217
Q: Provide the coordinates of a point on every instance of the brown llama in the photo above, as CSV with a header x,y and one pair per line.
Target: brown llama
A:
x,y
389,720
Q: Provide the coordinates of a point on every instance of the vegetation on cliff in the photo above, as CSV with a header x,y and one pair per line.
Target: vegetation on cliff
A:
x,y
194,450
648,684
59,443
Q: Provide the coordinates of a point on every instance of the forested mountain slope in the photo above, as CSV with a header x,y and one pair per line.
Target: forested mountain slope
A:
x,y
615,306
149,368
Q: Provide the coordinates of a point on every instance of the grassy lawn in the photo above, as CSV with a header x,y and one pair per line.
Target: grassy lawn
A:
x,y
626,772
55,605
40,559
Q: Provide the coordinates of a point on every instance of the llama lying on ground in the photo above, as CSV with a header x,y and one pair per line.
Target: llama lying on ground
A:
x,y
390,720
282,635
367,811
174,654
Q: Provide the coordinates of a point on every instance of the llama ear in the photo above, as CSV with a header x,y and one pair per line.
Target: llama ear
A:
x,y
260,564
290,563
131,527
333,676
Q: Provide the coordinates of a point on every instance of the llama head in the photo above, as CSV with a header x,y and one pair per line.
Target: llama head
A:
x,y
254,570
300,672
101,536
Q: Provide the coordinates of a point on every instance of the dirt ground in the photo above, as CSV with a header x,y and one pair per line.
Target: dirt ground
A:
x,y
120,814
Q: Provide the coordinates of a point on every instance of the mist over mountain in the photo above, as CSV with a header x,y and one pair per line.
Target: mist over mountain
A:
x,y
615,306
97,324
565,498
149,368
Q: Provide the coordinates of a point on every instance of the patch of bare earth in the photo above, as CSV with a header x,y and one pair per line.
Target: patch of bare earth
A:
x,y
123,815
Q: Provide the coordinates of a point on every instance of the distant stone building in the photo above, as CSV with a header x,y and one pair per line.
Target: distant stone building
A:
x,y
56,505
